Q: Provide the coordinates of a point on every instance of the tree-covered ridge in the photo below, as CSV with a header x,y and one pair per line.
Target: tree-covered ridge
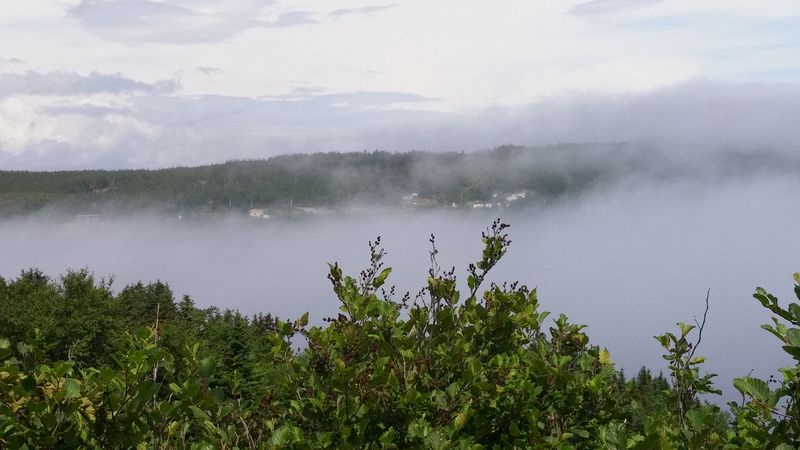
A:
x,y
378,178
484,368
322,179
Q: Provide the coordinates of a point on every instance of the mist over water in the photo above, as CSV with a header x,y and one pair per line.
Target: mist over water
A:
x,y
629,262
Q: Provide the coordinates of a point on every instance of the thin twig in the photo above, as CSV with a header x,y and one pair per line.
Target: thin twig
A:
x,y
701,326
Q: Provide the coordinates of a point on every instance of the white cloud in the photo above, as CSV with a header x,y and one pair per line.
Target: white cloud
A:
x,y
146,127
177,22
359,11
35,135
293,19
65,120
605,7
71,120
171,22
468,54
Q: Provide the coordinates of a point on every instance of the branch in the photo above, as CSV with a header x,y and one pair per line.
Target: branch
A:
x,y
700,326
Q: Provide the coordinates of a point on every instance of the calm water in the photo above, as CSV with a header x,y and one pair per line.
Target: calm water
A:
x,y
628,263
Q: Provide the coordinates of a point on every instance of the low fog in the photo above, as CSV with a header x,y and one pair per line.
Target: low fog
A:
x,y
629,261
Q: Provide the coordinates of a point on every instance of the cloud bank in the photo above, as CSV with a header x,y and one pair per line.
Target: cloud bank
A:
x,y
64,120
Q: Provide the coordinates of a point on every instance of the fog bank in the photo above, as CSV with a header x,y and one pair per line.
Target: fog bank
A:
x,y
629,262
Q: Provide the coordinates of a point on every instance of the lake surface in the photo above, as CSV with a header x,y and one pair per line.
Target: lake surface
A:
x,y
630,262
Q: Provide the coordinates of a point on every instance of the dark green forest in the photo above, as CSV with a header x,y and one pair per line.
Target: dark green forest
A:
x,y
82,366
325,180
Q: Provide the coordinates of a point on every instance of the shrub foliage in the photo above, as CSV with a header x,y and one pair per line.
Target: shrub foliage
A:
x,y
486,368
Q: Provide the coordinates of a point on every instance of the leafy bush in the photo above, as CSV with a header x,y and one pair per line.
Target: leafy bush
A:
x,y
436,371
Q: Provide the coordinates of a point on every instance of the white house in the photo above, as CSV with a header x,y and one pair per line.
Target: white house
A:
x,y
516,196
258,213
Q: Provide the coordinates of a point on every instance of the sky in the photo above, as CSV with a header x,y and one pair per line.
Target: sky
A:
x,y
159,83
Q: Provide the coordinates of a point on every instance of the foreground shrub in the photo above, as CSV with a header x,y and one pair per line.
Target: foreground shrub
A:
x,y
485,368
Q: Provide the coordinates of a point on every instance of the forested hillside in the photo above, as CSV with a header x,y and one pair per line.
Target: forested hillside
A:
x,y
328,180
84,367
340,181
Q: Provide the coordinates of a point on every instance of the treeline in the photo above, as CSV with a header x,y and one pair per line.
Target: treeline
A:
x,y
320,179
340,180
79,319
485,368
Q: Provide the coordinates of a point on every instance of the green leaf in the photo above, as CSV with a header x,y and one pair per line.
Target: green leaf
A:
x,y
303,320
758,389
24,349
776,331
418,429
5,348
72,388
198,413
381,278
461,419
663,340
61,368
793,337
207,366
792,350
685,328
794,310
285,435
